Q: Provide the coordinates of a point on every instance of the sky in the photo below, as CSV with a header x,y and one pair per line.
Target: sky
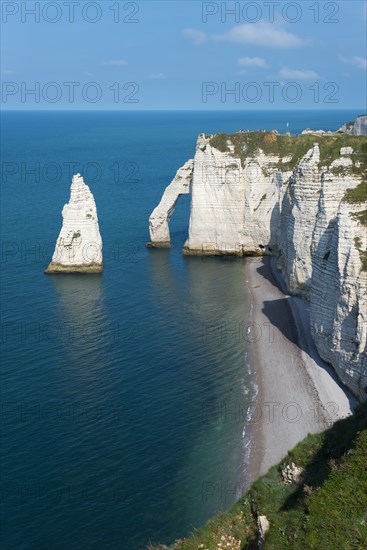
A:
x,y
183,55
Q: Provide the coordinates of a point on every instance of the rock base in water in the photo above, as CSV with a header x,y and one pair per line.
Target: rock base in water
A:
x,y
158,244
207,251
54,268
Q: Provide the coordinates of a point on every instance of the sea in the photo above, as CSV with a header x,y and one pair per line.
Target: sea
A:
x,y
126,396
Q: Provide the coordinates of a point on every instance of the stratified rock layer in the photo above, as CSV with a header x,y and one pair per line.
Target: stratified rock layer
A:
x,y
79,245
255,193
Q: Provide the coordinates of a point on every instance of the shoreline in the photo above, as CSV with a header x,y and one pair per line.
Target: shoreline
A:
x,y
298,393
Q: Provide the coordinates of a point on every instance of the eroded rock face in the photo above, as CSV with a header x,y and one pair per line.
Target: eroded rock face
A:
x,y
159,218
338,296
233,201
287,198
217,201
320,253
263,526
357,128
79,245
291,473
297,220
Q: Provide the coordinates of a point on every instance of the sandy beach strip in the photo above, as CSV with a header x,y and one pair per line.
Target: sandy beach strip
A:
x,y
297,392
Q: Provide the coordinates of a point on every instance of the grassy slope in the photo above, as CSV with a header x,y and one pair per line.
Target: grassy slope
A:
x,y
327,509
247,143
357,195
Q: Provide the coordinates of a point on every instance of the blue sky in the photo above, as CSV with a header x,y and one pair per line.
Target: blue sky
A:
x,y
183,55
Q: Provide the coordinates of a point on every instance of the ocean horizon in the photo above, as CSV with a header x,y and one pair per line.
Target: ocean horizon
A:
x,y
126,395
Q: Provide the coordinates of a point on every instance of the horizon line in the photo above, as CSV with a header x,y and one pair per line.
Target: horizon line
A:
x,y
363,111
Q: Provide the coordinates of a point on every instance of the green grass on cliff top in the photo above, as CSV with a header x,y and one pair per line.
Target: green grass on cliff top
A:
x,y
246,144
357,194
327,508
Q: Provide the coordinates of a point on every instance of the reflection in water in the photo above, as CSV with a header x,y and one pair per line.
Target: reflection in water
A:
x,y
219,301
81,300
208,299
217,291
209,290
165,281
82,315
80,295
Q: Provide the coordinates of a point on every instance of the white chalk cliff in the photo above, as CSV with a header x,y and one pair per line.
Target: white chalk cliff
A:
x,y
357,127
79,245
263,193
159,219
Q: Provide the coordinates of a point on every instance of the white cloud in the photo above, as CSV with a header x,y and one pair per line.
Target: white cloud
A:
x,y
87,73
297,73
7,71
157,76
359,62
115,62
261,34
252,62
198,37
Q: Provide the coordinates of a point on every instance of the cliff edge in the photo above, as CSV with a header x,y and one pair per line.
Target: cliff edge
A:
x,y
357,127
301,199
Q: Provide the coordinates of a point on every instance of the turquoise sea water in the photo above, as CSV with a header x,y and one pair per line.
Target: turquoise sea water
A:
x,y
123,394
